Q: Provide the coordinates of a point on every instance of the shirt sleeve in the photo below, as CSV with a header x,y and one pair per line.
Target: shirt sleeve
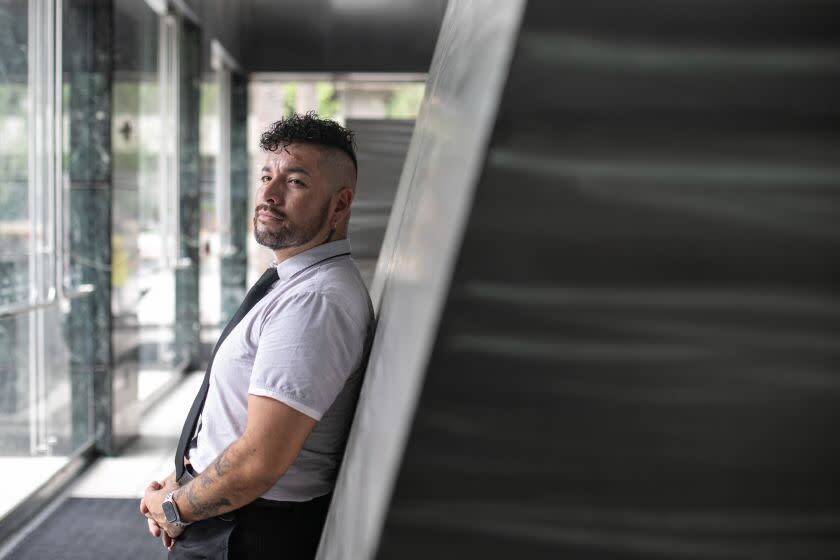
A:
x,y
307,349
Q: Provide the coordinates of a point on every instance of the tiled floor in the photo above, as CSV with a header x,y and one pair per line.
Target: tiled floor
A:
x,y
150,457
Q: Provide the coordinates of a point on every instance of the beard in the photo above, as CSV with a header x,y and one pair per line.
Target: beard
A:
x,y
288,234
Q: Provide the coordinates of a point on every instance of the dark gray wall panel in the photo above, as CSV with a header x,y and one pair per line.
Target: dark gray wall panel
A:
x,y
415,264
225,21
234,267
315,35
329,36
187,318
638,353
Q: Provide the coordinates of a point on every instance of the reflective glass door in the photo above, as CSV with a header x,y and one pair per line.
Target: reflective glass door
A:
x,y
46,398
145,211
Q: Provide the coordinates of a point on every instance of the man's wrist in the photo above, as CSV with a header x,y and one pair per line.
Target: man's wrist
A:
x,y
183,509
171,512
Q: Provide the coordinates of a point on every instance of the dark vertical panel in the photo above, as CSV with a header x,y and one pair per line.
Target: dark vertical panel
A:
x,y
87,28
187,322
638,355
234,267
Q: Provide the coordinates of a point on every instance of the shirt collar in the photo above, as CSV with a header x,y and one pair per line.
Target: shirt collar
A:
x,y
295,264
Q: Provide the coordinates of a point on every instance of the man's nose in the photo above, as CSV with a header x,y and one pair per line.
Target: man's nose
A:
x,y
273,193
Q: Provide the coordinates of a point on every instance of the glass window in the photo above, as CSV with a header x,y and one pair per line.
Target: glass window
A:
x,y
143,281
210,243
155,58
45,397
15,231
14,196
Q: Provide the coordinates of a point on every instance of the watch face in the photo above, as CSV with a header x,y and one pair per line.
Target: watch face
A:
x,y
169,512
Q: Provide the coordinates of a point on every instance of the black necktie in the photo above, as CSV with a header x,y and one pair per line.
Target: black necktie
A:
x,y
254,295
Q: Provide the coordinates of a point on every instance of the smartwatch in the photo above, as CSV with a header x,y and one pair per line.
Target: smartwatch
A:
x,y
170,511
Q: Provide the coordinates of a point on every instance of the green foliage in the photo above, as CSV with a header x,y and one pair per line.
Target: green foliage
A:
x,y
327,100
136,97
289,99
209,98
405,102
12,99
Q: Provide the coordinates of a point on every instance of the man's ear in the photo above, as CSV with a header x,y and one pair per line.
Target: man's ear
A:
x,y
343,199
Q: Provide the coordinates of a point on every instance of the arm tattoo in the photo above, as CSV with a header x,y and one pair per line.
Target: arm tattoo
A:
x,y
202,508
222,464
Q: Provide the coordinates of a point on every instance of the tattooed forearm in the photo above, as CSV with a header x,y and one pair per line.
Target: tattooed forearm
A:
x,y
216,490
222,464
202,509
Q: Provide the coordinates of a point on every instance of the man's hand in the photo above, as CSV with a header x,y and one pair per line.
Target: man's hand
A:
x,y
273,438
150,506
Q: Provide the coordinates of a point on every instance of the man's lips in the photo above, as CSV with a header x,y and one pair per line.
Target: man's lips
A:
x,y
266,213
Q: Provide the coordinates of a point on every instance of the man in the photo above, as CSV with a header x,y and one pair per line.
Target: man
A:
x,y
282,384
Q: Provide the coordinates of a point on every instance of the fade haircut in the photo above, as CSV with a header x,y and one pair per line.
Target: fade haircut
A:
x,y
310,129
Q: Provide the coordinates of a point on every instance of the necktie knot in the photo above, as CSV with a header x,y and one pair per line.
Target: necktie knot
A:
x,y
268,278
261,287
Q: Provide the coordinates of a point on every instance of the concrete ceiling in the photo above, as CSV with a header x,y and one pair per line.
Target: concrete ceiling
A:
x,y
325,35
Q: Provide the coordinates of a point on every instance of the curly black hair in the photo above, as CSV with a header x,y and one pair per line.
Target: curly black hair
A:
x,y
310,129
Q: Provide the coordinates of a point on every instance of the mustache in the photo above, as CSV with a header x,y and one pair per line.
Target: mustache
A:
x,y
270,210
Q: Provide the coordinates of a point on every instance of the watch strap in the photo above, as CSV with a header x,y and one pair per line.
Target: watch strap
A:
x,y
177,522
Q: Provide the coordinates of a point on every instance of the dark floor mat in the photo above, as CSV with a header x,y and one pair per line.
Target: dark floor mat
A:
x,y
91,529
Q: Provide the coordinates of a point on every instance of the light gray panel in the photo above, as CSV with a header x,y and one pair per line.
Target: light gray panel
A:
x,y
381,148
415,264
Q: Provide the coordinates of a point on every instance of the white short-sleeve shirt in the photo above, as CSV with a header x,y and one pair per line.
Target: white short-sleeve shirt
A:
x,y
302,344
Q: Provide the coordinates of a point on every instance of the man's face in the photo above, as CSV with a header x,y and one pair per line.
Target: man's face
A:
x,y
293,198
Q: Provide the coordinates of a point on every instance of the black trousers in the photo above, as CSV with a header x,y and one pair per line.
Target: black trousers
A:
x,y
263,529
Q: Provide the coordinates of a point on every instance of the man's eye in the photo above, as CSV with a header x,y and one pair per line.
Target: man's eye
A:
x,y
265,178
296,182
